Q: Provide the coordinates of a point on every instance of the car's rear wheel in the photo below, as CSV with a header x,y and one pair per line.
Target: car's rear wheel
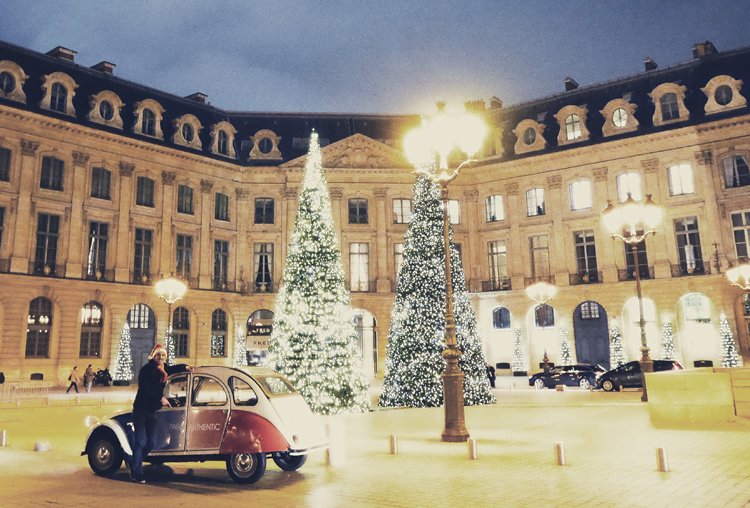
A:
x,y
246,467
584,383
289,462
105,456
608,385
539,383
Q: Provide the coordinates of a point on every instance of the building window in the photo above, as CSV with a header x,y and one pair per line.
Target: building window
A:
x,y
58,98
669,107
264,210
680,179
454,211
359,263
221,264
696,307
223,143
493,208
144,194
4,164
497,262
589,310
184,256
100,183
741,232
181,331
539,246
534,202
501,318
630,261
140,316
689,245
96,259
92,322
188,132
544,316
47,233
398,259
218,334
106,110
148,123
736,172
529,135
401,211
142,254
586,256
358,211
263,261
723,95
572,127
38,325
7,82
620,118
221,207
52,173
628,183
580,195
185,199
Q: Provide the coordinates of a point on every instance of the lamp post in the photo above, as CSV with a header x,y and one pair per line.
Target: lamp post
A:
x,y
170,290
542,292
632,222
428,148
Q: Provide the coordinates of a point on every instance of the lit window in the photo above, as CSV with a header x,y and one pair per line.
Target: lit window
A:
x,y
697,307
39,324
263,260
501,318
620,117
680,179
669,108
572,127
454,211
529,136
736,171
534,202
688,245
580,195
741,233
92,322
629,183
401,211
218,333
181,331
498,263
589,310
493,208
359,271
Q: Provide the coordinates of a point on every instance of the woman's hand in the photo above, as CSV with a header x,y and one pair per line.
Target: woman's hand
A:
x,y
165,402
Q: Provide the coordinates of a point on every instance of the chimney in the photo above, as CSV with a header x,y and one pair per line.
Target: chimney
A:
x,y
105,67
570,84
475,106
198,97
495,103
649,64
702,49
63,53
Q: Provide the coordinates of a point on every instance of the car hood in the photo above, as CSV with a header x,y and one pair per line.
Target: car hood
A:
x,y
298,420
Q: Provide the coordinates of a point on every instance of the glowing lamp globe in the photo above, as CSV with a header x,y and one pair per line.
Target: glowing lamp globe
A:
x,y
541,292
740,276
170,289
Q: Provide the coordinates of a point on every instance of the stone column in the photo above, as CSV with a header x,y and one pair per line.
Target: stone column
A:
x,y
554,210
381,257
205,251
167,254
516,245
656,245
605,254
288,215
122,247
78,227
25,220
244,275
710,227
472,249
337,193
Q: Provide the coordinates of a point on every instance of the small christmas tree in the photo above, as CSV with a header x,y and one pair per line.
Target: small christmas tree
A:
x,y
519,357
617,353
667,341
566,355
729,356
124,360
170,346
240,350
217,345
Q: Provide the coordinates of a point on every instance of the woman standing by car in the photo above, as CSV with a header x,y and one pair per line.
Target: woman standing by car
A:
x,y
150,398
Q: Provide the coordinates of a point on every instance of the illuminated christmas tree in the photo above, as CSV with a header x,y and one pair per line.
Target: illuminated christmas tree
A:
x,y
240,349
169,345
124,360
616,351
518,364
314,342
667,341
217,346
729,356
416,338
566,355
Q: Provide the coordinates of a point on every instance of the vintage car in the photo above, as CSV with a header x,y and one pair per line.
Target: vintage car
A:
x,y
629,375
237,415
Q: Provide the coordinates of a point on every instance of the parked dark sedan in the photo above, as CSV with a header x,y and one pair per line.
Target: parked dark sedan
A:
x,y
629,375
580,374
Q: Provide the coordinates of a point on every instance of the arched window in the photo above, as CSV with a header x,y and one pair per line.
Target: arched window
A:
x,y
148,125
58,98
218,333
140,316
696,307
92,321
181,331
39,324
629,183
544,316
669,108
223,144
501,318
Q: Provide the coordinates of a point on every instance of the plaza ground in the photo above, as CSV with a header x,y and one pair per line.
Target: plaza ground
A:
x,y
608,439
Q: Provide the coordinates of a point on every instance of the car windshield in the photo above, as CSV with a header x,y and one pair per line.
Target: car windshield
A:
x,y
275,385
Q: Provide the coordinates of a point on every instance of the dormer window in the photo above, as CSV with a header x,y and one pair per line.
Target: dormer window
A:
x,y
572,120
723,93
148,121
105,109
186,129
222,139
12,79
148,115
7,82
59,89
572,127
265,145
529,136
223,143
188,132
59,98
619,117
669,99
669,108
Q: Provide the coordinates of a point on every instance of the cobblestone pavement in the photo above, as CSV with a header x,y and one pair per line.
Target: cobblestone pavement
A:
x,y
608,439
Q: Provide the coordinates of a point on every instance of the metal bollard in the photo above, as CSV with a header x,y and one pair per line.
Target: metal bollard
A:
x,y
3,438
393,444
662,460
472,448
559,453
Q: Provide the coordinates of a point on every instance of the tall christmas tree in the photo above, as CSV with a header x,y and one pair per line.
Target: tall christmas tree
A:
x,y
416,338
729,356
124,360
616,351
314,342
240,349
667,341
518,364
566,355
169,345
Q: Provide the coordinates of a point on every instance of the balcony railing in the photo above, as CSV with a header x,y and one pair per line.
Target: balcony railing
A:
x,y
683,269
587,277
501,284
362,287
46,270
629,274
528,281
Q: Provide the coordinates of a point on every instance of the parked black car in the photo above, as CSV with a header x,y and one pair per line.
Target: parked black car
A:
x,y
629,375
580,374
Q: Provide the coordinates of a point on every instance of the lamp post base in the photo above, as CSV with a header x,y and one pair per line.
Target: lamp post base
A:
x,y
647,366
453,392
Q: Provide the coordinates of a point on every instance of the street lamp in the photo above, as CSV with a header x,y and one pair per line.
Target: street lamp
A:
x,y
428,148
632,222
170,290
740,276
542,292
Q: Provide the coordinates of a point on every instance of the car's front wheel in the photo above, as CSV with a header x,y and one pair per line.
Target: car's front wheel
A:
x,y
608,386
246,467
539,383
105,456
584,383
289,462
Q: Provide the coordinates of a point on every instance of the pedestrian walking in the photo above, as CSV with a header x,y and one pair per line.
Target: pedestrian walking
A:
x,y
74,379
491,375
88,378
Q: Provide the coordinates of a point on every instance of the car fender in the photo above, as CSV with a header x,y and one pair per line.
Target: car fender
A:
x,y
118,431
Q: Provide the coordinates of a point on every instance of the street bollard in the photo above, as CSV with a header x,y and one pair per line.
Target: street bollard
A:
x,y
662,460
511,386
472,448
559,453
3,438
393,444
336,451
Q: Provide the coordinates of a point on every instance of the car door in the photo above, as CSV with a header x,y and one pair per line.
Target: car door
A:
x,y
633,375
170,421
208,413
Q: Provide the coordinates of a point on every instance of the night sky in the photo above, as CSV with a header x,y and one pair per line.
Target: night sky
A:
x,y
377,56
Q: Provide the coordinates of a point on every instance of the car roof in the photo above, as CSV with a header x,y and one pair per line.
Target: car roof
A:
x,y
220,370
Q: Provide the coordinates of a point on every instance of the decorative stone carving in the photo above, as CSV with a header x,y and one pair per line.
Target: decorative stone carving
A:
x,y
650,165
241,194
80,158
620,123
273,153
29,147
704,156
336,193
356,152
532,143
380,193
511,189
736,101
554,182
207,186
471,195
600,174
95,114
126,169
167,177
16,94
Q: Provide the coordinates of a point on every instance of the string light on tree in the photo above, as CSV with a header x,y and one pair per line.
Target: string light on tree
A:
x,y
240,349
667,341
124,362
518,364
617,352
729,356
566,354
